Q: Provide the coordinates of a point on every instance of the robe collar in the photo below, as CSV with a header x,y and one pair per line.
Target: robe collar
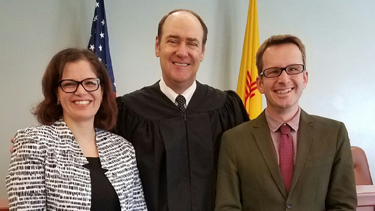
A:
x,y
167,91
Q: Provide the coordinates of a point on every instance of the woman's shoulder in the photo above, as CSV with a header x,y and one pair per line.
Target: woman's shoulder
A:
x,y
32,141
35,131
41,134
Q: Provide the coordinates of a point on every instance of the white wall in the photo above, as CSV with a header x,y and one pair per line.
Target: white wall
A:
x,y
338,35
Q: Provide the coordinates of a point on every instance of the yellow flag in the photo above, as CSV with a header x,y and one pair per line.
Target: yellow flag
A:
x,y
247,87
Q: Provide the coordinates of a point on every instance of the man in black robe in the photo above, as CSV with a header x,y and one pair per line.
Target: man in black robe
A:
x,y
177,144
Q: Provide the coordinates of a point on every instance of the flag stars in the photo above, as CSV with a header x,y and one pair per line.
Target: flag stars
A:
x,y
98,42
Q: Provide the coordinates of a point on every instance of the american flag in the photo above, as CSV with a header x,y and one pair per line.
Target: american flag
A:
x,y
99,43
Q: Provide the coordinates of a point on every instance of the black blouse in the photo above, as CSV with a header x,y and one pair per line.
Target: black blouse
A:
x,y
103,195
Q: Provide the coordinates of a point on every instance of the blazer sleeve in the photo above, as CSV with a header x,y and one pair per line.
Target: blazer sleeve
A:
x,y
25,178
138,196
228,196
342,193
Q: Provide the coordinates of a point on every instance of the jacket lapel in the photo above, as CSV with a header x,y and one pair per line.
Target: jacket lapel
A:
x,y
305,137
69,147
264,141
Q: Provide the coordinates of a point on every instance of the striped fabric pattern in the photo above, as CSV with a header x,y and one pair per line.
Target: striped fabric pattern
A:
x,y
46,170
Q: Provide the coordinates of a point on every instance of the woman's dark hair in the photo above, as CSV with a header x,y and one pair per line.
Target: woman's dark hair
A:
x,y
48,111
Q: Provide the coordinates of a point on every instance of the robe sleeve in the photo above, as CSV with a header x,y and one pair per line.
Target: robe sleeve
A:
x,y
233,112
124,125
149,149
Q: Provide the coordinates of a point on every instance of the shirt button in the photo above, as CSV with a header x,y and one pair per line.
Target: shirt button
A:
x,y
288,205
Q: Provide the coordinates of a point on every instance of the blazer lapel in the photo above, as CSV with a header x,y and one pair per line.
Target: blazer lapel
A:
x,y
264,141
305,137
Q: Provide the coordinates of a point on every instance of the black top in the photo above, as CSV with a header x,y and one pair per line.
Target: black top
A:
x,y
103,195
177,159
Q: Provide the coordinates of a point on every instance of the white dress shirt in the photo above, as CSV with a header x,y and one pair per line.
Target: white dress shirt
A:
x,y
188,93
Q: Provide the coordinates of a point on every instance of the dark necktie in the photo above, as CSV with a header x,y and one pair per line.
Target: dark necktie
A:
x,y
286,156
181,101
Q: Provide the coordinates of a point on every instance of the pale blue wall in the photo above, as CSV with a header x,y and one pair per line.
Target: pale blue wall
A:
x,y
338,35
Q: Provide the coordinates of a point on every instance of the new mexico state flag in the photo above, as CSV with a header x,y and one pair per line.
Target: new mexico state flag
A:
x,y
247,87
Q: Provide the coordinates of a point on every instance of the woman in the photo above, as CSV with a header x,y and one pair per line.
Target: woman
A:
x,y
71,162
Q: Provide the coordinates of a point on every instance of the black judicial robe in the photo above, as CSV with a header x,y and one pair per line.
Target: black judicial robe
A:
x,y
177,159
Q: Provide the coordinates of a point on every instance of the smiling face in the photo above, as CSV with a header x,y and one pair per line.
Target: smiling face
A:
x,y
283,92
80,105
180,49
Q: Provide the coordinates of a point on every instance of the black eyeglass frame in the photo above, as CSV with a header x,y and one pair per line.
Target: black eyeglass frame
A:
x,y
79,83
282,69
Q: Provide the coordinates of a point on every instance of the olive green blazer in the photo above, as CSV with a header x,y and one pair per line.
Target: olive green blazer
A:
x,y
249,177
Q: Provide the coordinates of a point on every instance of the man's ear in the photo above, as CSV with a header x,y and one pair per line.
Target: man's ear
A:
x,y
305,78
260,84
157,46
203,51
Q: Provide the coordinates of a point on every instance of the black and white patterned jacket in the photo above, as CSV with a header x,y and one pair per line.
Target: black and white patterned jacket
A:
x,y
46,170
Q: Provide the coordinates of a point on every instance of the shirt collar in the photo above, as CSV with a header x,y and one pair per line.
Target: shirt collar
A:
x,y
188,93
274,124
